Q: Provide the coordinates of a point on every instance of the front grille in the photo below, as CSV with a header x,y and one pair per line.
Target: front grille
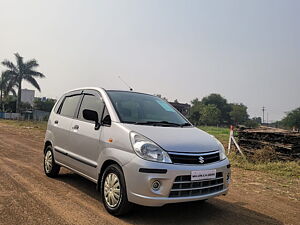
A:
x,y
194,158
184,187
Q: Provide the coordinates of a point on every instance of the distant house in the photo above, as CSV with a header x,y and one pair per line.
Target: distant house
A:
x,y
183,108
27,96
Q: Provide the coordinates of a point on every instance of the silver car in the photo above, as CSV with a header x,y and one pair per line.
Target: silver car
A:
x,y
136,147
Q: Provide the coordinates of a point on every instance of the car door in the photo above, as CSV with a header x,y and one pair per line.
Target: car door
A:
x,y
61,124
84,138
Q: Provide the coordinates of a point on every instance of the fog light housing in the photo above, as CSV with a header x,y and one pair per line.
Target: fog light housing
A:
x,y
228,178
156,185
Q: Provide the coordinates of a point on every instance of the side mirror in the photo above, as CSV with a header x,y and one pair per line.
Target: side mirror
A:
x,y
106,121
91,115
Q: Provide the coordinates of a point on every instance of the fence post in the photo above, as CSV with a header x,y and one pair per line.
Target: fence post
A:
x,y
232,139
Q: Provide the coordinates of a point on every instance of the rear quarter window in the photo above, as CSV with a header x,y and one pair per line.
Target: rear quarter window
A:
x,y
57,106
69,105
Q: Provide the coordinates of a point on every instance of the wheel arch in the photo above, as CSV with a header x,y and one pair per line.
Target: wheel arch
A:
x,y
106,164
47,143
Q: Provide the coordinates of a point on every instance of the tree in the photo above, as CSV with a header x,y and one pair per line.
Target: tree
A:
x,y
210,115
257,119
25,106
44,104
238,113
252,123
194,113
201,114
15,74
221,104
195,101
160,96
5,90
292,119
9,104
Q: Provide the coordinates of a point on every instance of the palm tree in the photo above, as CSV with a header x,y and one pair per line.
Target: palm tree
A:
x,y
5,90
15,74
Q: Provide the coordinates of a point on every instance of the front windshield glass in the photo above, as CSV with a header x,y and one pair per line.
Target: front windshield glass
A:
x,y
140,108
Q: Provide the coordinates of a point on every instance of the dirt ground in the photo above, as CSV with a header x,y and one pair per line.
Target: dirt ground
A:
x,y
27,196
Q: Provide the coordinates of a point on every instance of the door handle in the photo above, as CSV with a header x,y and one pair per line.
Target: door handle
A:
x,y
76,127
56,122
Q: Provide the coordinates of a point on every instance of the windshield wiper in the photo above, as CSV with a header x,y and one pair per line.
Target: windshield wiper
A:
x,y
185,125
162,123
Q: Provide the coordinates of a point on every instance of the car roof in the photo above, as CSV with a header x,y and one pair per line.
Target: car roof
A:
x,y
100,89
86,88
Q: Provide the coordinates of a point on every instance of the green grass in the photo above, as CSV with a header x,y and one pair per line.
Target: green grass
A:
x,y
221,133
281,168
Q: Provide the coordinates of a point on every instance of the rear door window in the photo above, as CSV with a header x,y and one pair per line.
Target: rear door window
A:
x,y
69,105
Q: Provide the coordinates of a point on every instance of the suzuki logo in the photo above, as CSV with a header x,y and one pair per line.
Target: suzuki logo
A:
x,y
201,159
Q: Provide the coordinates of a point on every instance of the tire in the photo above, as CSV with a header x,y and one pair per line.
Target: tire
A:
x,y
112,183
51,169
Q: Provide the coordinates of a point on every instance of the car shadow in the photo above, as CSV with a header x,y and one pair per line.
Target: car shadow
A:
x,y
212,211
82,184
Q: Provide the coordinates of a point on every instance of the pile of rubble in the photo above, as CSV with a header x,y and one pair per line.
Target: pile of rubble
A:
x,y
285,143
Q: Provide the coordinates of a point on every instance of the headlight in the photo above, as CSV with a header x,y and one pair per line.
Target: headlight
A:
x,y
222,150
147,149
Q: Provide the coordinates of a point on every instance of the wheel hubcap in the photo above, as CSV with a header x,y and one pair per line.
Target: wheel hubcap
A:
x,y
112,190
48,161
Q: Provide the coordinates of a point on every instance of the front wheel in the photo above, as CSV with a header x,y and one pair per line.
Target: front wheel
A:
x,y
113,191
50,167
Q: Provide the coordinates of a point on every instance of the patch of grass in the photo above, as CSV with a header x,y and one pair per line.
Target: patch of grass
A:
x,y
280,168
221,133
261,161
41,125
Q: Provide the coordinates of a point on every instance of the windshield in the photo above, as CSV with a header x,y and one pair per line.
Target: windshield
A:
x,y
145,109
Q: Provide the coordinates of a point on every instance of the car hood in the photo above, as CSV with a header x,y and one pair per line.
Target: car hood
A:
x,y
177,139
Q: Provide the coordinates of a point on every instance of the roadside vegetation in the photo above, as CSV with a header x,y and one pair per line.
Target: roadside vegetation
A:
x,y
257,163
291,120
27,124
280,168
214,110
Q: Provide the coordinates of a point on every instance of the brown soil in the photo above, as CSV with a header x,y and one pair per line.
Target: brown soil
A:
x,y
27,196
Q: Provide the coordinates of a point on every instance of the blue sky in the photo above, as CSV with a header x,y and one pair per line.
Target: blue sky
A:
x,y
248,51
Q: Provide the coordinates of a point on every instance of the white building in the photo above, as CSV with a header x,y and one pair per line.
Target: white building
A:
x,y
27,96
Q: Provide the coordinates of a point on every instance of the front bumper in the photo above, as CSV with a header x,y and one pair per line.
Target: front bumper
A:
x,y
139,185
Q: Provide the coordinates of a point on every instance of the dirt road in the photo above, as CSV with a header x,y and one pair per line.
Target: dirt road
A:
x,y
27,196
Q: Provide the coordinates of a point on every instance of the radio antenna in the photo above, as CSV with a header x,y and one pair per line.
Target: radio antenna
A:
x,y
125,83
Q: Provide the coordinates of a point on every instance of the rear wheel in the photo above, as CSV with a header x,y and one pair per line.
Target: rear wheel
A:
x,y
50,167
113,191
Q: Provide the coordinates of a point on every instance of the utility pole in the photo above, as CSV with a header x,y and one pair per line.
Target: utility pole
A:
x,y
263,110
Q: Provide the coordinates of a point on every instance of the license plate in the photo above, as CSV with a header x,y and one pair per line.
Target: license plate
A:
x,y
203,174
